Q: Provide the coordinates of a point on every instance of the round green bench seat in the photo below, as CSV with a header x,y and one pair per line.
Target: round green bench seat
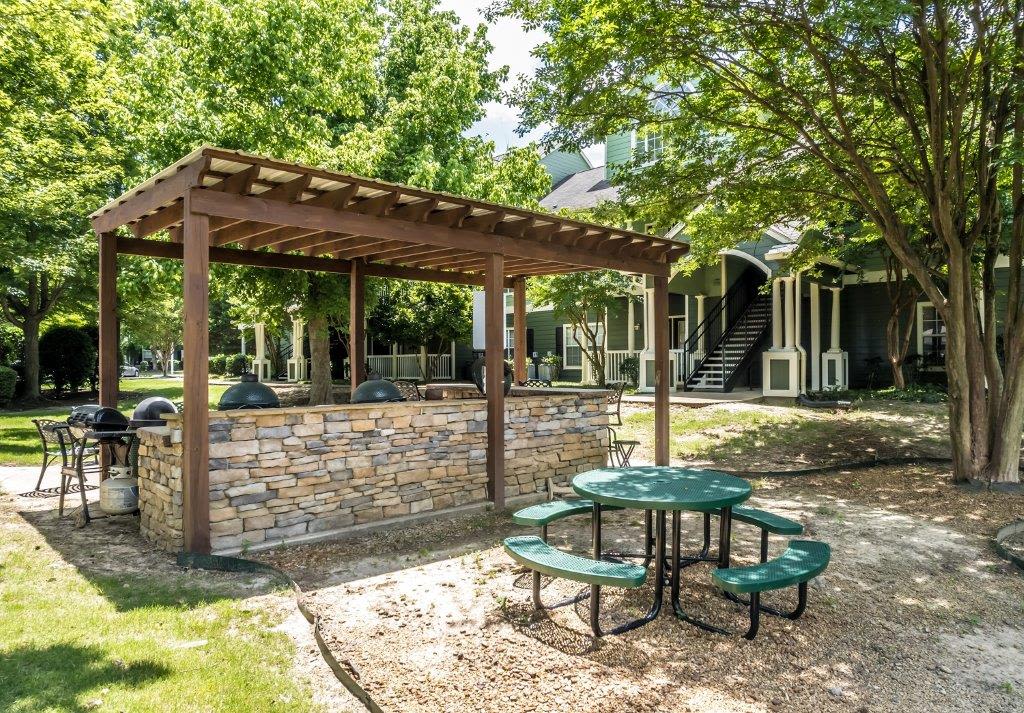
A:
x,y
803,560
533,552
775,524
545,513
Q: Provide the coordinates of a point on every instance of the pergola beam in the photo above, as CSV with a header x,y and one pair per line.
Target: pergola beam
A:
x,y
160,194
305,216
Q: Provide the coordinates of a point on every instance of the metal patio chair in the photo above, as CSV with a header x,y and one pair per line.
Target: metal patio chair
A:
x,y
55,440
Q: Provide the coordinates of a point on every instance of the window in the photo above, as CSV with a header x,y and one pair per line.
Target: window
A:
x,y
649,146
572,356
931,335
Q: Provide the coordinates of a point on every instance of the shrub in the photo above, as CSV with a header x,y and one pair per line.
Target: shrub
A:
x,y
219,364
237,364
8,380
67,358
630,368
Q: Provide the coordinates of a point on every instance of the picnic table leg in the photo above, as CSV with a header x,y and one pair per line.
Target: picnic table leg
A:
x,y
659,577
724,538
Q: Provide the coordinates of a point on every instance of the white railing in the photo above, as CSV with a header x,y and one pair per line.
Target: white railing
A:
x,y
613,363
409,367
679,359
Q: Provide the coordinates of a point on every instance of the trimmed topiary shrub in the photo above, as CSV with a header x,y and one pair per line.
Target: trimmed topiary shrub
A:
x,y
67,358
8,381
238,364
630,368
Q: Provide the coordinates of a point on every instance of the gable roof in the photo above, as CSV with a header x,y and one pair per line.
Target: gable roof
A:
x,y
581,190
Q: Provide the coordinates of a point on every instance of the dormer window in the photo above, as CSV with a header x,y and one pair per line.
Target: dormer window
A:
x,y
649,146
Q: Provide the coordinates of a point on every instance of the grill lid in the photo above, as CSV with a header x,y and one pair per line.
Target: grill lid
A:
x,y
376,391
248,393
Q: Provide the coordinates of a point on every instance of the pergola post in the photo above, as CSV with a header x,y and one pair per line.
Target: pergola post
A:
x,y
196,416
108,320
494,353
519,328
356,321
660,327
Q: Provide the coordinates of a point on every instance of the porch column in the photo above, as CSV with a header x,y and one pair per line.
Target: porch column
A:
x,y
519,328
494,361
700,320
648,319
661,372
777,313
196,416
790,314
108,321
835,321
259,361
815,336
241,331
630,324
356,324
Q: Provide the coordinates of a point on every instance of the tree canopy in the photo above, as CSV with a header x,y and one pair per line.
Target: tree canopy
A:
x,y
797,112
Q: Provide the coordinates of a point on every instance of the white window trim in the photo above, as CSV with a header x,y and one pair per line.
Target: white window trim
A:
x,y
567,341
632,149
919,326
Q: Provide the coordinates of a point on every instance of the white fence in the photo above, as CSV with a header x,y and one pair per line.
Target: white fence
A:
x,y
409,367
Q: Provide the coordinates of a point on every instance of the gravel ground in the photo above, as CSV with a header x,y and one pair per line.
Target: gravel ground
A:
x,y
916,612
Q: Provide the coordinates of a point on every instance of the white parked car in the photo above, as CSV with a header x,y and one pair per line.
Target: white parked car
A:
x,y
129,370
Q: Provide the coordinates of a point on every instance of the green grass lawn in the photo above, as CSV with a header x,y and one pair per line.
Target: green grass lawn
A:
x,y
762,437
143,639
19,441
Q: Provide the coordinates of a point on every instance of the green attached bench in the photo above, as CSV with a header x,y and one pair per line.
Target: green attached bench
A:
x,y
802,561
540,557
543,514
768,522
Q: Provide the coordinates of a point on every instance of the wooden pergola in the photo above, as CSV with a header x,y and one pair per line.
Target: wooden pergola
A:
x,y
217,205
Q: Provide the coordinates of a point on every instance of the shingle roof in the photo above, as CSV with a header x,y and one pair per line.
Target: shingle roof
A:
x,y
581,190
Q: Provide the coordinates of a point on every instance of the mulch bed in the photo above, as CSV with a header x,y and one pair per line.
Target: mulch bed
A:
x,y
915,613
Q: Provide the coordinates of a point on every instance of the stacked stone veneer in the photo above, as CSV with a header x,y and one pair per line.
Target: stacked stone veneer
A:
x,y
285,473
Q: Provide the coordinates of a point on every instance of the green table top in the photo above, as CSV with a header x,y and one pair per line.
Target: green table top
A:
x,y
662,488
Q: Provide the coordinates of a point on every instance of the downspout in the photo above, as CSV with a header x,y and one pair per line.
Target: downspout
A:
x,y
798,327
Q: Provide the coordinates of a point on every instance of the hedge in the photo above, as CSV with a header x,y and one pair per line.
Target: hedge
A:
x,y
8,381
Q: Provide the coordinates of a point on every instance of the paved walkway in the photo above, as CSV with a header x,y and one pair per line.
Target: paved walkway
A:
x,y
701,398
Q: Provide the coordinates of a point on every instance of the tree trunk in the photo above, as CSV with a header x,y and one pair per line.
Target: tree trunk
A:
x,y
320,368
30,354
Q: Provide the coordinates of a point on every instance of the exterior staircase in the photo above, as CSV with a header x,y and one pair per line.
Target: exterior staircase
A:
x,y
718,368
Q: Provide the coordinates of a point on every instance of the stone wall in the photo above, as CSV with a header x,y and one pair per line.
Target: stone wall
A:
x,y
285,473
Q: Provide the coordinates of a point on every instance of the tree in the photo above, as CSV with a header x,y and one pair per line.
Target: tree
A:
x,y
150,306
795,112
67,358
382,89
444,315
59,158
583,300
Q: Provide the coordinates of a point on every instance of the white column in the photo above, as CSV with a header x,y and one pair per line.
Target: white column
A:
x,y
241,331
777,313
815,337
648,320
701,346
790,314
630,324
835,320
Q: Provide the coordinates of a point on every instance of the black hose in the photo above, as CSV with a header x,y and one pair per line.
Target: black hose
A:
x,y
805,400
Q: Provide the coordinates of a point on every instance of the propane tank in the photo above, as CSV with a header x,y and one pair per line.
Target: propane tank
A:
x,y
119,494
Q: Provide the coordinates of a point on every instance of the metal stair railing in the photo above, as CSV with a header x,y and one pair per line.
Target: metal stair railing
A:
x,y
719,348
716,324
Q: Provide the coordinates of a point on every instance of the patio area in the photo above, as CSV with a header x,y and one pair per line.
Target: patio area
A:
x,y
915,613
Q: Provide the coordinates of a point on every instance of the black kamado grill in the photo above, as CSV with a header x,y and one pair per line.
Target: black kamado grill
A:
x,y
150,412
375,391
248,393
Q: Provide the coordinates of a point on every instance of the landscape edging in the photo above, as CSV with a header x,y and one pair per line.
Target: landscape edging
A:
x,y
224,563
1002,534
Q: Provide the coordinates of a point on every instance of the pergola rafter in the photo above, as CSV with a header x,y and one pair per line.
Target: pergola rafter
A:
x,y
225,206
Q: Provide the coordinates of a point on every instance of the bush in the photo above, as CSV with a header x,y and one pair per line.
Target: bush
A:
x,y
630,368
67,358
219,364
8,380
237,364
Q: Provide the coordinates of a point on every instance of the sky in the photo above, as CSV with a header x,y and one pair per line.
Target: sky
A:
x,y
512,47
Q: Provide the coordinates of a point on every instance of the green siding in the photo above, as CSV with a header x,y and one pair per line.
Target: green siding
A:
x,y
561,164
543,326
617,150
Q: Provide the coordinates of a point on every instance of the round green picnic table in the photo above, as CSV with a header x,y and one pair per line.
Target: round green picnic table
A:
x,y
662,488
